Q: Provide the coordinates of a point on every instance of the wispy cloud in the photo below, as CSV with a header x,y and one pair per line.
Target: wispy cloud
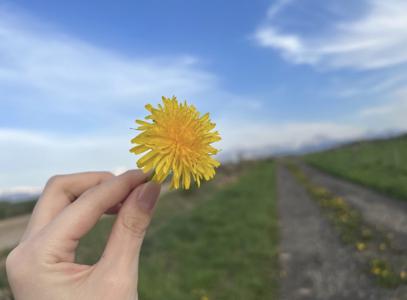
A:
x,y
392,112
277,7
377,39
29,157
57,71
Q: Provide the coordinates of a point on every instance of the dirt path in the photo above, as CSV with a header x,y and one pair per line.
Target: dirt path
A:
x,y
378,210
315,264
11,230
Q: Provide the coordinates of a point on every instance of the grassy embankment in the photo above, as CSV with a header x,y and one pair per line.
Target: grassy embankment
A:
x,y
379,164
218,242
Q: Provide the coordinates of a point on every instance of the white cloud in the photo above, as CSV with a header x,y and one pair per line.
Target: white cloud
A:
x,y
29,158
391,114
53,69
288,136
377,111
268,37
277,6
376,40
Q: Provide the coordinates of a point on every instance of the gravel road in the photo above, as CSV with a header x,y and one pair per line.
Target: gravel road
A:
x,y
315,264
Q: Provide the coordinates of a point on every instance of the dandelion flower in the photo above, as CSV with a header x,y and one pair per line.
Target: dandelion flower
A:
x,y
376,270
178,142
360,246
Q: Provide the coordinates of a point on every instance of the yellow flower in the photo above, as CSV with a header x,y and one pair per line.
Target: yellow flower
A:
x,y
360,246
403,274
178,142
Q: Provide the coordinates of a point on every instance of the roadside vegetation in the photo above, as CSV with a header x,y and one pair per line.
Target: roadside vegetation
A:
x,y
379,164
4,289
374,248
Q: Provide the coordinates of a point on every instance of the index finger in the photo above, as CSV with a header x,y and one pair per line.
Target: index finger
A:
x,y
59,192
80,216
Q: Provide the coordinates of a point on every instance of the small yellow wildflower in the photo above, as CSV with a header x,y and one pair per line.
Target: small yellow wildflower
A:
x,y
403,275
344,218
320,191
204,297
177,142
376,270
339,201
382,247
360,246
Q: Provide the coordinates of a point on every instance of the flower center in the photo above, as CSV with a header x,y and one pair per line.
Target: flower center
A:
x,y
183,136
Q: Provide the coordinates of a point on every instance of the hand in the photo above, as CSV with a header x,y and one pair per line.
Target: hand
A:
x,y
42,266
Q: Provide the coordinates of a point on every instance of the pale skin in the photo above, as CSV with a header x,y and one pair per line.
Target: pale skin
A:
x,y
43,265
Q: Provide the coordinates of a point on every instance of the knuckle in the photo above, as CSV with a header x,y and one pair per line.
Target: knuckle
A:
x,y
131,173
107,174
127,173
55,180
136,225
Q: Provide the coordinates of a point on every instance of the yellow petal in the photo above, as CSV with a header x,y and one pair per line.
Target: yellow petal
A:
x,y
139,149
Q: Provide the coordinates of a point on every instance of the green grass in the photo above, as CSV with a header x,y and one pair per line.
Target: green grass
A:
x,y
218,242
12,209
380,164
3,276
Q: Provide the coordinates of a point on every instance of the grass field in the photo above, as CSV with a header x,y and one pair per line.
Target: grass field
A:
x,y
218,242
380,164
12,209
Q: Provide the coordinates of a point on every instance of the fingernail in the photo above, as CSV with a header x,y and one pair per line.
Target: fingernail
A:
x,y
148,196
149,175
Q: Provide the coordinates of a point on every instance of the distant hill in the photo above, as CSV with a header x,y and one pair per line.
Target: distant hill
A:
x,y
379,163
19,194
294,147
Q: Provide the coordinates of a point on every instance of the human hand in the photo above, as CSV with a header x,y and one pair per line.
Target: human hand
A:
x,y
42,266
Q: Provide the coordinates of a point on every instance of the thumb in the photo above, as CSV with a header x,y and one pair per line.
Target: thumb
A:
x,y
124,244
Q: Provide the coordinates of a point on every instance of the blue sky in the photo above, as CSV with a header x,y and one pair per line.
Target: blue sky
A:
x,y
274,75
